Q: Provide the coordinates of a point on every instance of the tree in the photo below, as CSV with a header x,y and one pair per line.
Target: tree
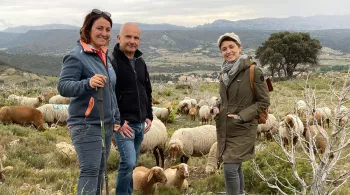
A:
x,y
284,51
308,170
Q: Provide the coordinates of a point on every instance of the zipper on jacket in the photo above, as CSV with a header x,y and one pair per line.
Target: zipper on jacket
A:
x,y
138,93
109,79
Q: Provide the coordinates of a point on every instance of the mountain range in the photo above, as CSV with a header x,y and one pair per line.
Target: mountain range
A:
x,y
320,22
40,49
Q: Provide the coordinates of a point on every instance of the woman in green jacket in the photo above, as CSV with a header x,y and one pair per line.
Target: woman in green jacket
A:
x,y
237,114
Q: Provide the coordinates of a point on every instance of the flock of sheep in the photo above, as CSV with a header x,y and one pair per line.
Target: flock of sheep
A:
x,y
47,108
185,142
308,124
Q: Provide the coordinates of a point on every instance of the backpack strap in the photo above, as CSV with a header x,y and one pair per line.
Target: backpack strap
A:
x,y
251,78
113,60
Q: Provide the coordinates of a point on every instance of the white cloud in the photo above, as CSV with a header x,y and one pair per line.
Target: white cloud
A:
x,y
179,12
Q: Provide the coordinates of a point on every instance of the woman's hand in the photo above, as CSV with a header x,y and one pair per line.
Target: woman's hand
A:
x,y
98,80
216,111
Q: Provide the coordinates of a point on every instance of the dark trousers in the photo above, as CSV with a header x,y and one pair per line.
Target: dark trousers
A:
x,y
234,178
87,142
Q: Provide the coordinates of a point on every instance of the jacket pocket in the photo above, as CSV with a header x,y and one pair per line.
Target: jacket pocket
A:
x,y
236,127
77,133
90,107
129,102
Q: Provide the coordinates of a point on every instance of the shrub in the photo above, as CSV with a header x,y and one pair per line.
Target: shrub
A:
x,y
183,86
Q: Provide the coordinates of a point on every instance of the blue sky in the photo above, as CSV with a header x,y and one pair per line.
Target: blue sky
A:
x,y
179,12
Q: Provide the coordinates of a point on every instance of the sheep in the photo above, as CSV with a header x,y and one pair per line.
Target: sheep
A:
x,y
290,129
193,102
58,99
341,115
186,142
193,113
201,103
269,128
322,114
184,106
144,178
22,115
212,162
155,140
48,95
204,114
177,176
213,101
320,141
154,101
13,98
301,108
162,113
26,101
54,113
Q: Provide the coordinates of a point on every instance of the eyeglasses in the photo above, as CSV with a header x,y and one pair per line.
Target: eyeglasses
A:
x,y
97,11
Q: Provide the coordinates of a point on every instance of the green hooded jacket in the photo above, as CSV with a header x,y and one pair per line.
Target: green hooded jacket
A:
x,y
236,138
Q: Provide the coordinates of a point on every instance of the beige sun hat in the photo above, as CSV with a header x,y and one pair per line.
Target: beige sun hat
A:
x,y
231,35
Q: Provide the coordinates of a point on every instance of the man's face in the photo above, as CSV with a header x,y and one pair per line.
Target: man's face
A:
x,y
129,38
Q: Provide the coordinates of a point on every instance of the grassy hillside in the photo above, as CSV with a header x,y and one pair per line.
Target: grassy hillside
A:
x,y
40,169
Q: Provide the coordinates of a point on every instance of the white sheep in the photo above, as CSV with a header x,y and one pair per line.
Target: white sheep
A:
x,y
144,178
58,99
54,113
212,161
177,176
290,129
201,103
193,102
341,114
162,113
301,108
186,142
213,101
269,128
26,101
184,106
155,139
204,114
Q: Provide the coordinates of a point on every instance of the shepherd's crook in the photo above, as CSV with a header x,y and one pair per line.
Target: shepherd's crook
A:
x,y
103,135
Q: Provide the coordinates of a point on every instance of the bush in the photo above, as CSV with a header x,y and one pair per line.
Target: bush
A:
x,y
172,116
167,92
183,86
213,183
283,171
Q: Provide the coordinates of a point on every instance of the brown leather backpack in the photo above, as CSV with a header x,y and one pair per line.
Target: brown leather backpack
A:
x,y
264,115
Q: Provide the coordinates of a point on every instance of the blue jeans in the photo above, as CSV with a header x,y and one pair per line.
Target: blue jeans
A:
x,y
87,142
129,149
234,178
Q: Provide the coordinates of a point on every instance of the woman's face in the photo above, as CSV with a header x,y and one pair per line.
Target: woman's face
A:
x,y
230,50
100,33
